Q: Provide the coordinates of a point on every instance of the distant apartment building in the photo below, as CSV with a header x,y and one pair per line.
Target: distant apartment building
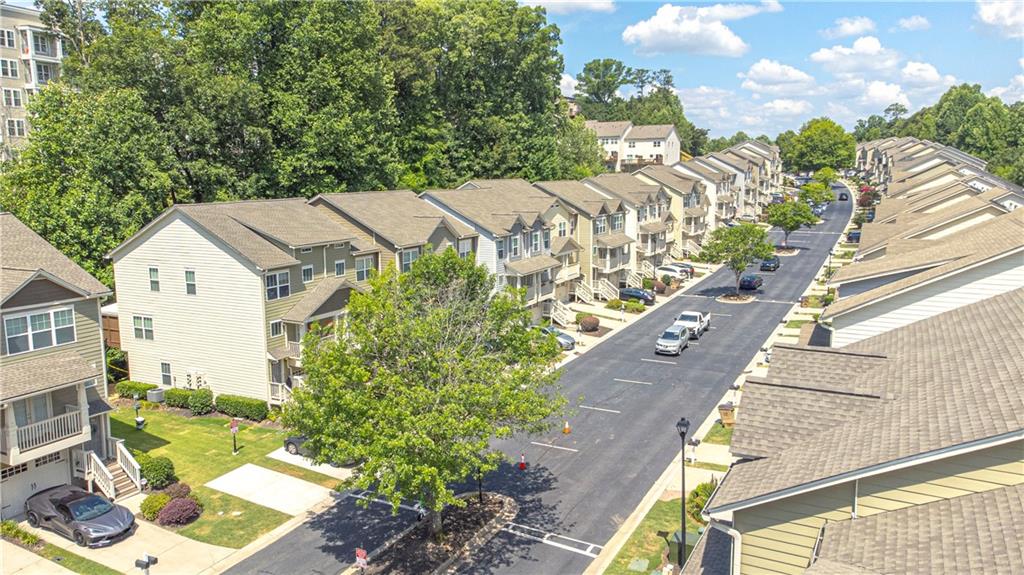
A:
x,y
628,147
30,56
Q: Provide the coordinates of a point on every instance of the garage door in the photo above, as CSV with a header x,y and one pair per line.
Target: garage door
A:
x,y
20,482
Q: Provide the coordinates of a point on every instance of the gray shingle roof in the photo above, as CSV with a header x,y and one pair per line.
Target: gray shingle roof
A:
x,y
613,240
532,265
712,555
650,132
977,533
670,177
626,186
23,253
46,372
608,129
561,245
874,236
399,216
497,204
955,379
580,197
316,297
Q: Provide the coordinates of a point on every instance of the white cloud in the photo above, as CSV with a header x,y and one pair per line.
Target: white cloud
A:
x,y
1007,16
569,6
706,103
865,54
774,77
567,85
844,27
914,23
878,95
924,75
786,107
694,30
1014,91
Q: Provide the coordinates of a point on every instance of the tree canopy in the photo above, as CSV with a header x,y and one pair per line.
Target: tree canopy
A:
x,y
428,368
737,247
790,216
820,143
815,192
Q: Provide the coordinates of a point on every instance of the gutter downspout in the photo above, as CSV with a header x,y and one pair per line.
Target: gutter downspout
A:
x,y
737,546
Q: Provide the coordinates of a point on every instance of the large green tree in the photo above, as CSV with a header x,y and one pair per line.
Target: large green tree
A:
x,y
737,247
820,143
790,217
429,368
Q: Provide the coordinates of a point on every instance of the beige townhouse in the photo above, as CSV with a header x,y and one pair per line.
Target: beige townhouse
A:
x,y
30,56
690,205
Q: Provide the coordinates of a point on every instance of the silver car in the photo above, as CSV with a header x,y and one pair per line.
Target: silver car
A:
x,y
565,341
674,340
88,519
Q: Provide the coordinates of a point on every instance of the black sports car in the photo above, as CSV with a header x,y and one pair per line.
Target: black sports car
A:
x,y
751,281
770,264
88,519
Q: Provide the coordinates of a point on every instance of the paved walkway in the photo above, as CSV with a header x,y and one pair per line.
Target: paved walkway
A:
x,y
15,560
271,489
340,473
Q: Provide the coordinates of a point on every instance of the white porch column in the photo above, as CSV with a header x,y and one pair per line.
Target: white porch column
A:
x,y
12,432
83,406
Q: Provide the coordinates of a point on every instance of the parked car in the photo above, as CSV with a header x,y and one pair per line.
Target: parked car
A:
x,y
843,196
751,281
295,444
685,268
673,340
697,322
565,341
770,264
671,271
853,236
88,519
646,296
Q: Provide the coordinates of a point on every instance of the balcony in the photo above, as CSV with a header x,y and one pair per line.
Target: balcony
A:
x,y
537,293
567,273
19,444
611,264
652,247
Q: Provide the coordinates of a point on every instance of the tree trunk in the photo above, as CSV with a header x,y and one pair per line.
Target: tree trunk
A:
x,y
785,239
436,527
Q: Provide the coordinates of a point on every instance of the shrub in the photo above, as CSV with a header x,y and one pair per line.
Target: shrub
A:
x,y
859,219
244,407
614,304
10,531
634,306
580,315
195,497
178,512
158,471
864,201
130,389
200,401
177,397
153,504
660,286
648,283
666,279
827,299
178,490
699,497
589,323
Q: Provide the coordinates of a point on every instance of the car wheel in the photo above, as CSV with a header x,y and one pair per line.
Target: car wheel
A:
x,y
33,519
291,448
79,539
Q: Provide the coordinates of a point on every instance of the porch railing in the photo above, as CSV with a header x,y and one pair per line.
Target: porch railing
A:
x,y
50,430
128,464
101,476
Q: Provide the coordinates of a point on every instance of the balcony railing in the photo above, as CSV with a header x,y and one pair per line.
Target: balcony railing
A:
x,y
567,273
49,431
610,264
535,293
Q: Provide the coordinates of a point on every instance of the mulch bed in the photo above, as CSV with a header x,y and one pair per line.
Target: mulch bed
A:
x,y
784,252
599,332
417,554
733,298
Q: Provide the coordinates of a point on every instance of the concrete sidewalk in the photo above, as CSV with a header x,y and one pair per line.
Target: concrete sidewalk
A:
x,y
15,560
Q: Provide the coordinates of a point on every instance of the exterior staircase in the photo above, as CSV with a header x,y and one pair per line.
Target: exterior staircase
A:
x,y
561,314
677,252
584,292
634,280
123,485
647,268
606,291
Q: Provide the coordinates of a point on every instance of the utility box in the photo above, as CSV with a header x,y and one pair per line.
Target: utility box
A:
x,y
727,412
155,395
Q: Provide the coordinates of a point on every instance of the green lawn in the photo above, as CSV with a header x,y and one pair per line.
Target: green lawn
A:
x,y
796,323
73,562
719,434
645,542
706,465
229,521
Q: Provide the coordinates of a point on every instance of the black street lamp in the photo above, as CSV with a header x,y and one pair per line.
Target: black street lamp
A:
x,y
683,426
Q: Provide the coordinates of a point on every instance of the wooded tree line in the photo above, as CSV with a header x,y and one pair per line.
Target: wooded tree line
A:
x,y
964,118
178,101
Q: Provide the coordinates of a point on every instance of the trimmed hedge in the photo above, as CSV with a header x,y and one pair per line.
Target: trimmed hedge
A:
x,y
698,498
178,489
648,283
666,279
130,389
244,407
157,471
614,304
153,504
634,306
589,323
179,512
200,401
178,397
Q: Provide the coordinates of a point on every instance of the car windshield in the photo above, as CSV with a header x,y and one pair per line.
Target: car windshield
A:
x,y
688,318
672,335
89,507
554,331
749,278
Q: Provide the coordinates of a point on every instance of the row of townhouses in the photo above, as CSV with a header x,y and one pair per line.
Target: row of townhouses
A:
x,y
30,56
894,443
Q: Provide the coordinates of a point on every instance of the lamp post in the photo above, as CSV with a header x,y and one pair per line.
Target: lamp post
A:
x,y
682,427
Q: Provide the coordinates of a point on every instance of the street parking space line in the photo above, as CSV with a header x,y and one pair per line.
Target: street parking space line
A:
x,y
592,408
658,361
555,540
722,314
694,295
537,443
631,381
777,301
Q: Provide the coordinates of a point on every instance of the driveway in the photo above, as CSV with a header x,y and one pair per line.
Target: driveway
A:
x,y
578,488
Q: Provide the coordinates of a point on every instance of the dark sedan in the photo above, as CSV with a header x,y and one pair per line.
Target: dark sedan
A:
x,y
88,519
637,294
751,281
771,264
843,197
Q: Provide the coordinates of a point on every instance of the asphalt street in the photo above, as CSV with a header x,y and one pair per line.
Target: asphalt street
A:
x,y
578,488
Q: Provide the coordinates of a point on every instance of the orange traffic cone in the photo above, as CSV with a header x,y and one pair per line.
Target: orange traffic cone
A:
x,y
522,461
566,430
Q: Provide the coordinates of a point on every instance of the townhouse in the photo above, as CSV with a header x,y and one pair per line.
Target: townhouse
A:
x,y
718,183
524,238
900,453
745,188
690,206
628,147
54,426
30,56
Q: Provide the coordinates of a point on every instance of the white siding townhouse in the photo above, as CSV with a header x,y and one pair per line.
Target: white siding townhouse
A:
x,y
628,147
649,221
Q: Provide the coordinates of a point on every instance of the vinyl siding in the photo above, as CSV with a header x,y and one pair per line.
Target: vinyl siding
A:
x,y
278,307
88,335
950,293
219,332
585,237
779,537
486,253
40,292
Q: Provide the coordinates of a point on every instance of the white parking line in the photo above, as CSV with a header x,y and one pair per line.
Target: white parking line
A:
x,y
632,381
363,495
555,540
555,446
590,407
723,314
777,301
658,361
694,295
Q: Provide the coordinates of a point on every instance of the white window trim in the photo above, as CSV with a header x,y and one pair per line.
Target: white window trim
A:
x,y
344,268
16,128
499,245
194,282
513,247
312,276
6,33
29,332
535,242
365,272
278,323
306,250
149,276
12,65
169,374
9,95
277,286
152,327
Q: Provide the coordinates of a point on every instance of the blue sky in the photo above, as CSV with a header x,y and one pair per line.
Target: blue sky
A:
x,y
765,67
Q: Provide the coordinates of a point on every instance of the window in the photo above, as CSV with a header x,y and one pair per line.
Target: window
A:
x,y
501,249
48,459
617,221
657,143
41,44
363,266
339,267
306,250
8,472
307,274
45,73
154,279
465,248
600,225
277,285
338,246
6,38
534,242
513,246
39,330
8,68
547,240
165,374
409,256
12,98
276,328
190,282
561,229
632,144
143,327
16,128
